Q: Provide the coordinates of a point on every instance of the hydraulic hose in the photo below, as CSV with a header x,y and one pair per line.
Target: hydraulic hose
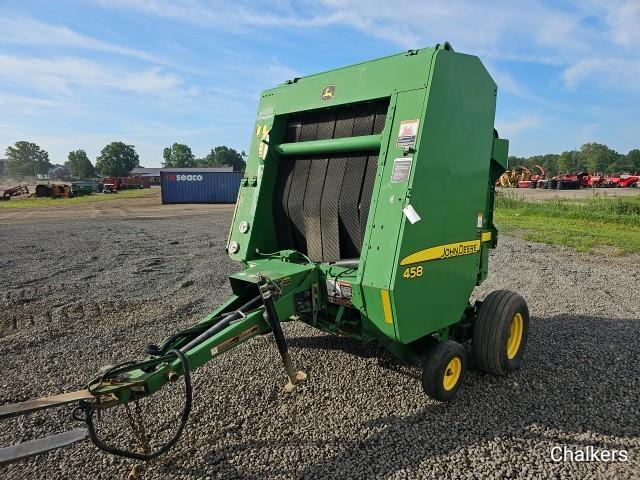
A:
x,y
186,410
222,324
205,332
195,332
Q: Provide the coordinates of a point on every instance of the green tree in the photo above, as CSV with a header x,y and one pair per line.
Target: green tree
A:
x,y
570,161
79,165
26,158
632,161
117,160
178,155
597,157
223,156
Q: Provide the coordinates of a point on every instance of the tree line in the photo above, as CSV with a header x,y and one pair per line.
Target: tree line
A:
x,y
591,158
117,159
180,155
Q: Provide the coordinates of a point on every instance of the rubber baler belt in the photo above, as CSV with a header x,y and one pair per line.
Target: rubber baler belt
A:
x,y
295,203
348,209
329,218
312,211
365,195
281,204
321,204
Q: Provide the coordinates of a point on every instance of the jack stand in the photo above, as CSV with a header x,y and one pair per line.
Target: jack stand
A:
x,y
271,317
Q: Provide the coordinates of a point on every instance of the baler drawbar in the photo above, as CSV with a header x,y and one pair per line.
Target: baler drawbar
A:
x,y
366,211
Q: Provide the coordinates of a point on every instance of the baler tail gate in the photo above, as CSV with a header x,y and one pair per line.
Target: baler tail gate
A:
x,y
132,381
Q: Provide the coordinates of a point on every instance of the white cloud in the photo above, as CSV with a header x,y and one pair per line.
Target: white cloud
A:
x,y
578,36
26,31
624,21
616,72
61,75
512,127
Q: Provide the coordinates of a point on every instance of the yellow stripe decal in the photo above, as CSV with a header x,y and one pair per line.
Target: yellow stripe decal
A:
x,y
486,236
386,306
449,250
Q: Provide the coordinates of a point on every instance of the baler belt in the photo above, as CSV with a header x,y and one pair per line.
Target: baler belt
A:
x,y
321,205
295,202
367,191
293,132
326,125
363,122
381,117
329,209
344,124
308,130
348,209
312,203
280,204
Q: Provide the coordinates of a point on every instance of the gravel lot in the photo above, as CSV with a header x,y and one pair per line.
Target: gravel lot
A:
x,y
81,293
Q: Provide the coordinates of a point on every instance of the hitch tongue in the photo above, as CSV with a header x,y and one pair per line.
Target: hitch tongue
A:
x,y
271,317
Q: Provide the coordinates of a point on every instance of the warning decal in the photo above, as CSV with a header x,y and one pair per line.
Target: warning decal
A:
x,y
401,169
408,133
227,344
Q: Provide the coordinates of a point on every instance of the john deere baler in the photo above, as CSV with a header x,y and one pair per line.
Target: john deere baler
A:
x,y
366,210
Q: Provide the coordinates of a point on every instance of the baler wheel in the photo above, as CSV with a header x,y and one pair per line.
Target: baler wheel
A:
x,y
500,333
444,370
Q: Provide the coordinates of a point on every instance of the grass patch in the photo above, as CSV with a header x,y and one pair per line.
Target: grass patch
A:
x,y
609,225
63,202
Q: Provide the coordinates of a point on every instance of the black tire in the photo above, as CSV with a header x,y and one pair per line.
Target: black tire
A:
x,y
493,350
444,370
553,184
561,185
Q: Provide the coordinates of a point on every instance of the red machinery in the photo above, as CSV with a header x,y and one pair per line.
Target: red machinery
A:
x,y
16,191
124,183
624,181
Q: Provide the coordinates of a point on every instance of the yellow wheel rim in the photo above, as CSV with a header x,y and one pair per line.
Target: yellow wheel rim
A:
x,y
515,335
452,373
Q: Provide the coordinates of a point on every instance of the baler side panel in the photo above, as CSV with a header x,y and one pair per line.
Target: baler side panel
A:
x,y
385,216
254,203
448,191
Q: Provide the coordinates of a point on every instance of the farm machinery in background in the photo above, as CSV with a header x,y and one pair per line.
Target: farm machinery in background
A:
x,y
17,191
523,177
114,184
65,190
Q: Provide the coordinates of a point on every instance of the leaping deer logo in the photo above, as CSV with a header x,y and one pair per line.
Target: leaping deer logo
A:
x,y
328,92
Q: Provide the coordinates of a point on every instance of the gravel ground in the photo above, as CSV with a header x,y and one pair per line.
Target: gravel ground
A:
x,y
84,293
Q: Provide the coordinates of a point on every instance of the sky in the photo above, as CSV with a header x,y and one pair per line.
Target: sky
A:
x,y
81,74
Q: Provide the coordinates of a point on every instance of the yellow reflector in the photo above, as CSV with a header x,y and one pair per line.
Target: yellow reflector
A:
x,y
386,307
486,236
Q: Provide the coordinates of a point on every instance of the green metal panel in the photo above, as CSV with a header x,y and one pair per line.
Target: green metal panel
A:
x,y
449,185
365,81
385,217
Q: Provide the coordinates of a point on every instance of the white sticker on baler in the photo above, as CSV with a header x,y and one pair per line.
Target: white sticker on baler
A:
x,y
411,214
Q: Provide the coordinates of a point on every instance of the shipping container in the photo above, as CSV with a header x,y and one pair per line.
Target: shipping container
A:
x,y
200,186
